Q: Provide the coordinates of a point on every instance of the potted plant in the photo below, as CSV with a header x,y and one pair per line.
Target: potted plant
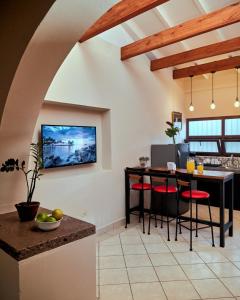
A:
x,y
172,131
27,210
143,161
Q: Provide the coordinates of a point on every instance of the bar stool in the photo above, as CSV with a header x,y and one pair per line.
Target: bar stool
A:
x,y
185,191
136,182
164,189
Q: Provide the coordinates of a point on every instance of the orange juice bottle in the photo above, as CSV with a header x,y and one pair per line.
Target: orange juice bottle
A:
x,y
190,165
200,168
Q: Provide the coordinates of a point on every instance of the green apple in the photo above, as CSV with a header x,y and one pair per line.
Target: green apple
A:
x,y
50,219
41,217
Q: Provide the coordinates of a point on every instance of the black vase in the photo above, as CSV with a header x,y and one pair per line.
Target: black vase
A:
x,y
27,211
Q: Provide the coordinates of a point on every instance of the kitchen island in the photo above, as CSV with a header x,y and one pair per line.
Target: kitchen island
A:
x,y
58,264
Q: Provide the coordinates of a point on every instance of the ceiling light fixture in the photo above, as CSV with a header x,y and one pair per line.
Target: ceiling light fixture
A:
x,y
212,105
191,107
237,102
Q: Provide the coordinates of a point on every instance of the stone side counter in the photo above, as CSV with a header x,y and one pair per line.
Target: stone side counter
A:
x,y
58,264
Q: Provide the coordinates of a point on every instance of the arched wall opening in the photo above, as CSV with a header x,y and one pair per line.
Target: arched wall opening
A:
x,y
90,75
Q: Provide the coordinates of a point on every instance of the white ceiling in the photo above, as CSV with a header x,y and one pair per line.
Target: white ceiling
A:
x,y
167,15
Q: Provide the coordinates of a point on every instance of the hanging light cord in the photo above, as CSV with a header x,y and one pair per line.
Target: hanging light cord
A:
x,y
237,83
212,87
191,88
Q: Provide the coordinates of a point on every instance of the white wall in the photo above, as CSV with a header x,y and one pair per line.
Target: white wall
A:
x,y
140,102
224,95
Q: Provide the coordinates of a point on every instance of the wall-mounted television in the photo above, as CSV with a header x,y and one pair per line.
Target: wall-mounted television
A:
x,y
68,145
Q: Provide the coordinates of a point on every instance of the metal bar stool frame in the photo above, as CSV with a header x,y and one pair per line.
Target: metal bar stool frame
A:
x,y
161,177
137,175
184,184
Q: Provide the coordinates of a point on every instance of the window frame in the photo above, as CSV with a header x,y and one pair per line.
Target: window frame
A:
x,y
220,139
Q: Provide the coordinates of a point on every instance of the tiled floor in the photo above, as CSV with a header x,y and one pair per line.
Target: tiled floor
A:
x,y
134,266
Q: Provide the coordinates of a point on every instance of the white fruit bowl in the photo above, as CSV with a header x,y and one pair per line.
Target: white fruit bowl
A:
x,y
48,226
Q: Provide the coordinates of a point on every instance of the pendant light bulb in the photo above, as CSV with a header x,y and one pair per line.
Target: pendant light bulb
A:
x,y
237,103
213,105
191,107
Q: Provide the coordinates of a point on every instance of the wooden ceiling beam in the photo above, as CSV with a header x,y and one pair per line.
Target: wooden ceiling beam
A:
x,y
119,13
214,20
196,54
219,65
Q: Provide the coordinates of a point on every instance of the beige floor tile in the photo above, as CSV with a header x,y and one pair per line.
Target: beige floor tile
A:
x,y
237,263
162,259
109,250
143,274
233,255
180,290
185,258
97,291
97,262
137,261
170,273
211,288
131,239
133,249
115,292
113,276
111,262
157,248
113,240
130,231
198,271
224,269
212,256
177,246
222,299
151,239
233,284
148,291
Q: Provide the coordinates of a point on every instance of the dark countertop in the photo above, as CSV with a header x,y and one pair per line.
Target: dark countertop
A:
x,y
236,171
23,239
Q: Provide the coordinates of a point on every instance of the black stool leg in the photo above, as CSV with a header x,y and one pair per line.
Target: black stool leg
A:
x,y
191,230
155,221
177,218
150,213
167,218
210,216
196,218
142,208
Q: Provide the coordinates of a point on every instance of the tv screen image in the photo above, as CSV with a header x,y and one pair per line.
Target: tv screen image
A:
x,y
68,145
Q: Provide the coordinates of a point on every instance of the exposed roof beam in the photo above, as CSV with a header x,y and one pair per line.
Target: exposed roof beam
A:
x,y
196,54
204,10
219,65
217,19
119,13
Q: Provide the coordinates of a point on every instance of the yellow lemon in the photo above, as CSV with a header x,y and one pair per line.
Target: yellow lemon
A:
x,y
57,213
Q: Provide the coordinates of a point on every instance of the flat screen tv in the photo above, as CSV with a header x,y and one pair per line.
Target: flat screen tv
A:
x,y
68,145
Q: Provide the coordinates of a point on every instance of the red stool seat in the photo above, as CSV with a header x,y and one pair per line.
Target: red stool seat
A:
x,y
196,194
141,186
163,189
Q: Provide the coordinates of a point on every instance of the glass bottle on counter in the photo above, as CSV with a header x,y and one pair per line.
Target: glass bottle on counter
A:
x,y
190,165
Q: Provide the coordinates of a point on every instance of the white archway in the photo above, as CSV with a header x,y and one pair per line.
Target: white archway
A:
x,y
54,38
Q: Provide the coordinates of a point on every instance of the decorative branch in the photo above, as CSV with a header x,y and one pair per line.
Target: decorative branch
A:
x,y
12,165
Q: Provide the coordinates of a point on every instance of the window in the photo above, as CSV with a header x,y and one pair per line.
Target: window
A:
x,y
232,126
205,128
200,146
218,136
232,147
